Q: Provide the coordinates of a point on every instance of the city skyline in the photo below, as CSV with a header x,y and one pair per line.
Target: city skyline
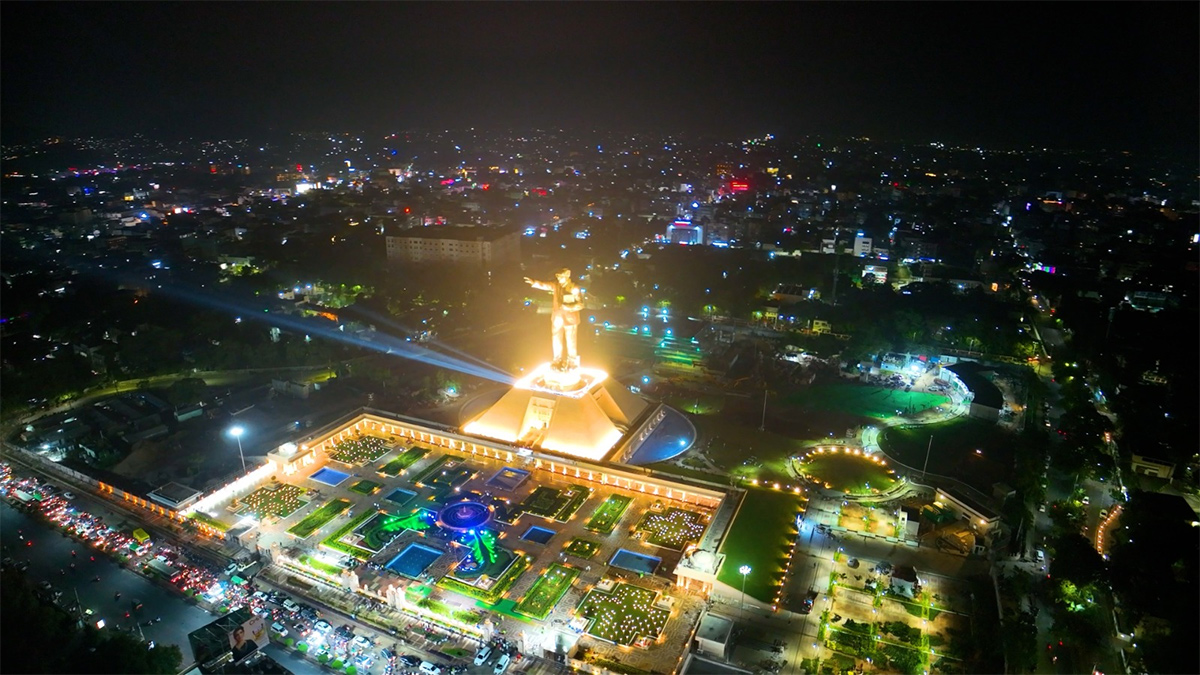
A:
x,y
987,75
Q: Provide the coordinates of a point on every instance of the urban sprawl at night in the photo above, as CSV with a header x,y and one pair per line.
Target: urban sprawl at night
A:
x,y
374,369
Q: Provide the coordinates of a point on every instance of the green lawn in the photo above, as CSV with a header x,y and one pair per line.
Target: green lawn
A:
x,y
847,472
623,616
953,452
735,444
864,400
673,529
582,548
400,464
359,451
761,536
608,514
317,519
201,517
365,487
280,501
547,591
490,596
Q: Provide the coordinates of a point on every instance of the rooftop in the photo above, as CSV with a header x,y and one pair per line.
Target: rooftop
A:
x,y
455,232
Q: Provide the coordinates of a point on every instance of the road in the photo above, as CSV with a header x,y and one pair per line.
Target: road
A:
x,y
51,552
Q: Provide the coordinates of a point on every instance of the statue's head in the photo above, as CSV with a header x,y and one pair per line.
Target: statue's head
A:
x,y
563,275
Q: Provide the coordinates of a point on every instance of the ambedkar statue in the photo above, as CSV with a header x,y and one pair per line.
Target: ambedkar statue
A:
x,y
564,319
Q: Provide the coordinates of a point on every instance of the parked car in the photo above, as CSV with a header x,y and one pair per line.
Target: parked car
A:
x,y
429,668
279,628
409,660
502,664
483,655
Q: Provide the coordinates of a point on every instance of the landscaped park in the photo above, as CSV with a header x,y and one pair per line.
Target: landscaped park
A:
x,y
609,514
846,470
279,501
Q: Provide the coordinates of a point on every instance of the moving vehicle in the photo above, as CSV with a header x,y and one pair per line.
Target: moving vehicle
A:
x,y
502,664
279,628
410,661
427,667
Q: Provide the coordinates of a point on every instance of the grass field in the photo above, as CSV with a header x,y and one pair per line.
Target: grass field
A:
x,y
281,501
406,459
623,616
736,443
953,452
608,514
547,591
761,537
864,400
317,519
359,451
847,473
582,548
365,487
674,529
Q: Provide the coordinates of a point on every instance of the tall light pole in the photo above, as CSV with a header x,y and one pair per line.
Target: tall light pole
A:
x,y
236,431
745,570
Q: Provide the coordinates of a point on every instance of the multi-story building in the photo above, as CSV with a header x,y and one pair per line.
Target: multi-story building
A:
x,y
483,246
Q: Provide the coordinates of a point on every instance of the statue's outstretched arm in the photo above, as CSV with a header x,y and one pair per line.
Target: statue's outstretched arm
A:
x,y
540,285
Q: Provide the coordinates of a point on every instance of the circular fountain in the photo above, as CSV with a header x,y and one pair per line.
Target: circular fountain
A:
x,y
464,516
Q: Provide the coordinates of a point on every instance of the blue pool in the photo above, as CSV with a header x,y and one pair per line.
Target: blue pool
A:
x,y
635,562
413,560
329,476
537,534
400,496
508,478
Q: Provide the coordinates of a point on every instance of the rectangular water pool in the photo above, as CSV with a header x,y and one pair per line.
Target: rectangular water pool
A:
x,y
538,535
400,496
508,478
413,560
331,477
635,562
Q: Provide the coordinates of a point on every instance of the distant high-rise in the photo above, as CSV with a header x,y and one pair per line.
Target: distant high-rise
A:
x,y
485,247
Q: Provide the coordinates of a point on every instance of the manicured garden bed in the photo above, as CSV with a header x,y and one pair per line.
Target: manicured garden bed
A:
x,y
547,591
608,514
365,487
400,464
280,501
317,519
334,543
497,590
624,615
674,529
359,451
582,548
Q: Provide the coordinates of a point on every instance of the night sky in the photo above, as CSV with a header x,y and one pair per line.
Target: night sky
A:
x,y
1063,75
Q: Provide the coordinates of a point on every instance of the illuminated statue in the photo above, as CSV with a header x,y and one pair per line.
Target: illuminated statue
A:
x,y
564,320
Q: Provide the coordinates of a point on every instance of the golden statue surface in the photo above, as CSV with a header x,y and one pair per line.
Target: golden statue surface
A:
x,y
564,318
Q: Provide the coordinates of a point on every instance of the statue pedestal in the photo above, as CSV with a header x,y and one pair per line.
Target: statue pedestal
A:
x,y
561,380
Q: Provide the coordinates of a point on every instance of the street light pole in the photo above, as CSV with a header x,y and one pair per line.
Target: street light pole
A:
x,y
763,425
929,447
745,570
237,432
